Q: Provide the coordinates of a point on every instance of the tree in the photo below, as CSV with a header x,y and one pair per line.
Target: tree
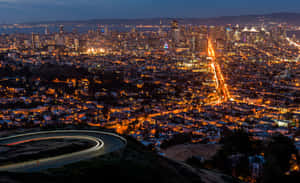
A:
x,y
238,145
278,155
237,142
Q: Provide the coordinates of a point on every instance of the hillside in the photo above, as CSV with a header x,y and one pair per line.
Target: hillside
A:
x,y
137,164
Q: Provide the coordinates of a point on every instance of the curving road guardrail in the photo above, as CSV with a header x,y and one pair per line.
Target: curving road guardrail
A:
x,y
105,143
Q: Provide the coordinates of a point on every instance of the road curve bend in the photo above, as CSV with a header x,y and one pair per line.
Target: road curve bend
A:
x,y
105,143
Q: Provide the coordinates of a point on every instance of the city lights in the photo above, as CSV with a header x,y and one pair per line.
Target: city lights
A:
x,y
220,93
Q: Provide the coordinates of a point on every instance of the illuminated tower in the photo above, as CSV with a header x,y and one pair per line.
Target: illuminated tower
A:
x,y
32,40
160,29
193,43
76,44
35,41
212,34
47,31
175,32
229,34
61,29
237,35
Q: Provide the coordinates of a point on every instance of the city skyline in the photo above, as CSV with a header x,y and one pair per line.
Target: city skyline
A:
x,y
16,11
149,91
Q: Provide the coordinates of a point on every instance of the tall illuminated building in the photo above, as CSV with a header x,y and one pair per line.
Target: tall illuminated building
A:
x,y
229,34
32,40
133,30
27,44
35,41
61,29
193,43
237,35
59,40
175,32
106,31
220,45
160,31
47,32
202,45
212,34
76,44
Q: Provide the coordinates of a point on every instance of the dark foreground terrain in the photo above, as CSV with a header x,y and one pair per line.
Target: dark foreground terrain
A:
x,y
137,164
40,149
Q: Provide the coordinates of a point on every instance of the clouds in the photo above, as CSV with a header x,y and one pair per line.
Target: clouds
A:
x,y
36,10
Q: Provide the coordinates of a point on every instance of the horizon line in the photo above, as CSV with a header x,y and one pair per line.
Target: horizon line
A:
x,y
143,18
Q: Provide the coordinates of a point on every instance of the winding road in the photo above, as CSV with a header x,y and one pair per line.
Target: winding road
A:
x,y
104,143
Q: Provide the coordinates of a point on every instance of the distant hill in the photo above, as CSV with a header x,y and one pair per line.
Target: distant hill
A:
x,y
290,18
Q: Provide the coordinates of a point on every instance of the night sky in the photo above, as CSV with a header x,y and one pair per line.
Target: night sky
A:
x,y
15,11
